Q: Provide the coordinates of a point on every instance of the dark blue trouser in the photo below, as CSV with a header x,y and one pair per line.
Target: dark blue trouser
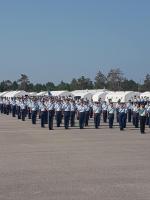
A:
x,y
2,108
29,114
91,112
42,118
142,123
136,120
97,120
7,109
147,120
104,116
58,118
23,114
133,118
34,117
87,114
72,118
129,115
26,111
125,120
66,119
111,120
121,120
81,119
13,111
50,119
117,115
19,112
46,117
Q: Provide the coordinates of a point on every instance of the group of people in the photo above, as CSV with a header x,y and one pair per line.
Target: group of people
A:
x,y
68,109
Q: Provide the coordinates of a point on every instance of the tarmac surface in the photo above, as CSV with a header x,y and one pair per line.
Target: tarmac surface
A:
x,y
73,164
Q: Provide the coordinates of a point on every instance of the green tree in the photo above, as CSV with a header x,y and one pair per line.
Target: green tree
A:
x,y
50,86
100,80
129,85
5,85
63,86
146,85
23,82
39,87
30,87
74,85
84,83
2,86
14,85
114,79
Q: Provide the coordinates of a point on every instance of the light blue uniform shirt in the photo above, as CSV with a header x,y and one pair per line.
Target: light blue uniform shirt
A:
x,y
81,108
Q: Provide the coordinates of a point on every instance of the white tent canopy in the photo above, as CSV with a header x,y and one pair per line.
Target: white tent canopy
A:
x,y
55,93
2,94
92,91
83,94
61,93
32,94
145,95
122,96
10,94
43,93
99,95
20,93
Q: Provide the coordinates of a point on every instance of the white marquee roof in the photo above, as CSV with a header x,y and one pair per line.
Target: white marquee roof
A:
x,y
82,94
43,93
145,94
61,93
120,95
10,94
20,93
55,93
98,95
2,94
33,94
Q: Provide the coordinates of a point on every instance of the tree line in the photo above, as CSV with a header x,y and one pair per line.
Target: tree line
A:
x,y
114,80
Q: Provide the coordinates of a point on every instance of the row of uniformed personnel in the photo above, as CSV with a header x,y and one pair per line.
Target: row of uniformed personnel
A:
x,y
48,107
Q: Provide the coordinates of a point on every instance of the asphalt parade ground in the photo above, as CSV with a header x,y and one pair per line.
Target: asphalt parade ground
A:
x,y
73,164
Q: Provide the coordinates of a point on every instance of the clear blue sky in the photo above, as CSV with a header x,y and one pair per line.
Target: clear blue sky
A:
x,y
54,40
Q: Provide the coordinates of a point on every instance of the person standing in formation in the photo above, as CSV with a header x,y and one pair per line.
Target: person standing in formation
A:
x,y
13,107
97,110
29,108
34,108
87,113
117,110
72,113
104,110
42,113
111,112
147,118
81,113
129,110
58,109
122,117
51,113
148,113
66,108
136,108
142,114
23,110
